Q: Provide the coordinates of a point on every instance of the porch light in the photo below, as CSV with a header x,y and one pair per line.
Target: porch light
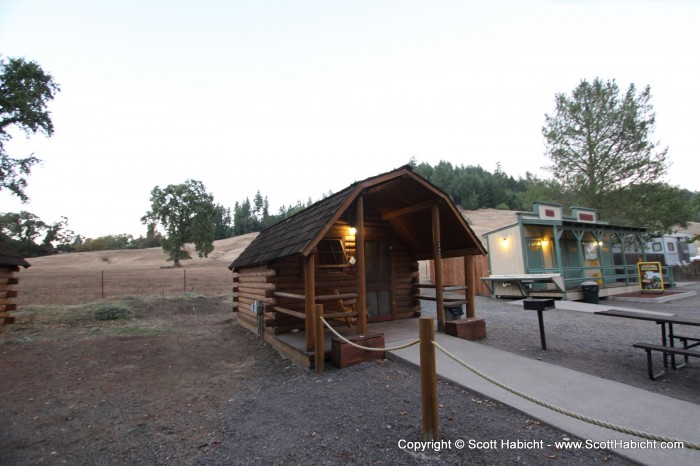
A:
x,y
353,230
544,242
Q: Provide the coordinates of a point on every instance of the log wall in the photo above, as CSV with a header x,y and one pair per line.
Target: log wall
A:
x,y
7,293
287,275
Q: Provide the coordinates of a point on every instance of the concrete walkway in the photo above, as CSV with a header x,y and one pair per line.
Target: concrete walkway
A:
x,y
584,394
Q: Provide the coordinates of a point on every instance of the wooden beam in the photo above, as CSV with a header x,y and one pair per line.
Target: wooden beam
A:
x,y
282,294
428,255
437,257
445,287
410,209
333,297
360,257
319,350
469,283
289,312
310,297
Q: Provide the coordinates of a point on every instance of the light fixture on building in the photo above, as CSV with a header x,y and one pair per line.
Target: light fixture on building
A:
x,y
353,230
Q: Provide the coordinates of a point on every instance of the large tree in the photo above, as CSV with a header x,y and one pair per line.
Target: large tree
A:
x,y
187,214
599,142
25,91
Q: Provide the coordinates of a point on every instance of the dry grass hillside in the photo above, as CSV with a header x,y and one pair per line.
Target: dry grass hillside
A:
x,y
86,276
78,278
484,220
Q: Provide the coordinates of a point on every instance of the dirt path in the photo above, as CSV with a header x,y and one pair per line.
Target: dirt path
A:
x,y
181,383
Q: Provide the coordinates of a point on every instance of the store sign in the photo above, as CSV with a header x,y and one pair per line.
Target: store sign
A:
x,y
651,278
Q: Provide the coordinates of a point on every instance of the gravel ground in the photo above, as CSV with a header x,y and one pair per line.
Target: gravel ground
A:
x,y
594,344
182,383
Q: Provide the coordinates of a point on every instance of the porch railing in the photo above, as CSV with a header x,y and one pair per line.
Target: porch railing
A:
x,y
607,276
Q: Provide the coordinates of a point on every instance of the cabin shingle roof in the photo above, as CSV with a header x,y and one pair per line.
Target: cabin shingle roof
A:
x,y
397,192
293,234
8,256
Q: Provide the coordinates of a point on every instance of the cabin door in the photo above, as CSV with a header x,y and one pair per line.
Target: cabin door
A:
x,y
378,280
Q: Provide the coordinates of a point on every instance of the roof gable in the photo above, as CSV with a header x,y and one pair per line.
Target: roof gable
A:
x,y
293,234
393,194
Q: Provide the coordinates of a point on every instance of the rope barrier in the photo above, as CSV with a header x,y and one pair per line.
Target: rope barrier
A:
x,y
590,420
395,348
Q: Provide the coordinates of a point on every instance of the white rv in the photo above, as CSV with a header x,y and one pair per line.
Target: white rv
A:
x,y
677,249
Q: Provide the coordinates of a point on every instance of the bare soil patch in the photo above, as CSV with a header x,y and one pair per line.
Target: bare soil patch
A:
x,y
182,383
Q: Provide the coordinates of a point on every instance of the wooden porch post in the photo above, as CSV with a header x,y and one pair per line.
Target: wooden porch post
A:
x,y
319,349
310,299
437,258
360,253
469,281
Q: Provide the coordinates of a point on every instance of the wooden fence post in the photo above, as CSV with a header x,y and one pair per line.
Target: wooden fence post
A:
x,y
428,379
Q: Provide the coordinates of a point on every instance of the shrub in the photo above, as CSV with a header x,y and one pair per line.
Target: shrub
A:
x,y
111,311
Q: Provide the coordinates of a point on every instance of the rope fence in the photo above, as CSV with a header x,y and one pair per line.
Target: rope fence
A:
x,y
433,416
566,412
366,348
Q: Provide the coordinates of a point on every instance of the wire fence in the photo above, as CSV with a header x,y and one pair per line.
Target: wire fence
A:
x,y
84,286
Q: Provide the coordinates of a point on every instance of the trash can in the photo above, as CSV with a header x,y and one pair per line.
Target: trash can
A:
x,y
453,311
590,292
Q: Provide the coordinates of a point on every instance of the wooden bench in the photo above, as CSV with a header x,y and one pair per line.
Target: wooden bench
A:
x,y
685,340
666,350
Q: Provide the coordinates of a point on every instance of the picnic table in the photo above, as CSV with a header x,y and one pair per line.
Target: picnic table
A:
x,y
667,346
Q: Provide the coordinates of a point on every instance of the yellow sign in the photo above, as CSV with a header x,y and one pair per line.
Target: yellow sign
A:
x,y
651,279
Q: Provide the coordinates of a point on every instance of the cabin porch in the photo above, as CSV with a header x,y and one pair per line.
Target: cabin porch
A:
x,y
293,345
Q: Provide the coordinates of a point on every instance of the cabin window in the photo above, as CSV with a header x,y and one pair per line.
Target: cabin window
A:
x,y
656,247
331,252
671,247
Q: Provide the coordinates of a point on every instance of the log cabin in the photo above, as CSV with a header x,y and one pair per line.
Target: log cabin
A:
x,y
353,258
10,263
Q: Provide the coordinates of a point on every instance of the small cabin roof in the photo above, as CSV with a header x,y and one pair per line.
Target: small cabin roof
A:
x,y
401,197
9,257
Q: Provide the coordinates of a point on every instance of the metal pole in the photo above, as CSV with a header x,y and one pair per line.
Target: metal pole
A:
x,y
540,320
428,379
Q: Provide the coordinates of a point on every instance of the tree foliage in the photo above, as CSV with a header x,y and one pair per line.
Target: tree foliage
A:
x,y
658,207
223,223
31,237
472,187
25,91
118,241
599,144
253,217
187,214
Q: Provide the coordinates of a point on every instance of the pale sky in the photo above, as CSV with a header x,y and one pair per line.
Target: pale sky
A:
x,y
297,98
